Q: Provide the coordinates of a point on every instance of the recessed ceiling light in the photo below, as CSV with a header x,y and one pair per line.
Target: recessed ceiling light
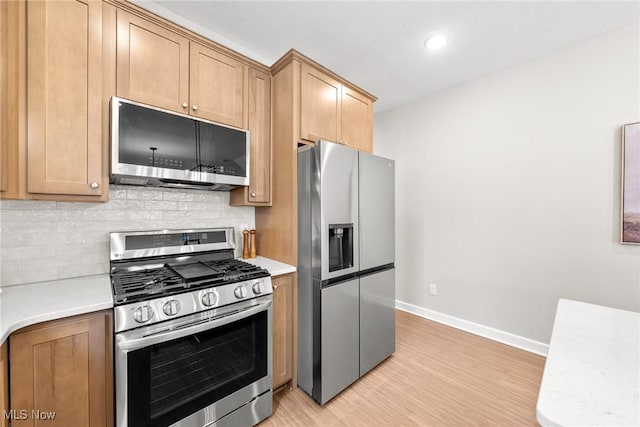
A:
x,y
435,42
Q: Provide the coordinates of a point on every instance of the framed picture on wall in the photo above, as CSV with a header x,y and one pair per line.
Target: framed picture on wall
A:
x,y
630,230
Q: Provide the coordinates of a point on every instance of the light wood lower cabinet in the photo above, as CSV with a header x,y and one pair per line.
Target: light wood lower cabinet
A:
x,y
64,366
4,384
282,329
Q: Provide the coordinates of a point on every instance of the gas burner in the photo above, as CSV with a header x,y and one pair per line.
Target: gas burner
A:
x,y
138,285
236,270
154,286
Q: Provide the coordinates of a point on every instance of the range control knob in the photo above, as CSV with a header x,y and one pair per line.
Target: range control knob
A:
x,y
171,308
143,314
209,299
240,292
258,288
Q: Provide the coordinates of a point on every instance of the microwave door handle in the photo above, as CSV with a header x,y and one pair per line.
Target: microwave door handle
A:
x,y
199,326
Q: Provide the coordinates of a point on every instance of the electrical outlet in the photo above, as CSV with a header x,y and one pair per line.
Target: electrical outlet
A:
x,y
433,289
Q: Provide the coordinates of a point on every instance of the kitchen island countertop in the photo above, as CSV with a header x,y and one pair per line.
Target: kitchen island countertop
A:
x,y
592,375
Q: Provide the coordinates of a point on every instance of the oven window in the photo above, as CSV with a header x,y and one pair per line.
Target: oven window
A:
x,y
169,381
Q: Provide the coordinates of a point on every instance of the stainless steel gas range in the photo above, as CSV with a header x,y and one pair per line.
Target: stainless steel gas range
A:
x,y
192,331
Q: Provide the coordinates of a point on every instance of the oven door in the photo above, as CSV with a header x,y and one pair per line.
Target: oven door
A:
x,y
197,370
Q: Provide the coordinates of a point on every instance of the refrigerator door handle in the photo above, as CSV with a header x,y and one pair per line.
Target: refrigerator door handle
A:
x,y
375,270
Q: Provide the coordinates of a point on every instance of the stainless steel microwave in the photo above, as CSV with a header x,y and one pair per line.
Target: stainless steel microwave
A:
x,y
155,147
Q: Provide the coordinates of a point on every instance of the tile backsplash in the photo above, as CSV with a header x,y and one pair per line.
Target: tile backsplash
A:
x,y
42,240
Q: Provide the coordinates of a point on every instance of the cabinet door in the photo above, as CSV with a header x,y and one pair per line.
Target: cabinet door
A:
x,y
64,109
64,367
319,105
152,64
356,120
258,193
260,132
217,86
282,329
4,383
4,69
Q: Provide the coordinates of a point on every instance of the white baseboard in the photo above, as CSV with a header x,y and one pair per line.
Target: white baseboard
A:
x,y
477,329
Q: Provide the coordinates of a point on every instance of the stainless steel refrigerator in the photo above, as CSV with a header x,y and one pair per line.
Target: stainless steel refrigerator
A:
x,y
346,272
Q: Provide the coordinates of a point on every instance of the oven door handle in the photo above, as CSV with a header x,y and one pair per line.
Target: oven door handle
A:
x,y
186,330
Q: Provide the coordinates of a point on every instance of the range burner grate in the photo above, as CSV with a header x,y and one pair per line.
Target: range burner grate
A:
x,y
236,270
137,285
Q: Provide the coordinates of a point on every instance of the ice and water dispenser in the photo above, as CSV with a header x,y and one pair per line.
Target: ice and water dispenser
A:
x,y
340,246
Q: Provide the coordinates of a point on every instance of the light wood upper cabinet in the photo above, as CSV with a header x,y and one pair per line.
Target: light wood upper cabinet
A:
x,y
333,111
319,105
64,366
282,329
159,67
64,98
217,86
260,133
152,64
258,193
357,120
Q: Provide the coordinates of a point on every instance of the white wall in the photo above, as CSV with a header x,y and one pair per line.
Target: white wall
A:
x,y
42,240
507,190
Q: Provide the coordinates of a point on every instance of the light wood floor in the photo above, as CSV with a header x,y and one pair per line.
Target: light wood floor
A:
x,y
437,376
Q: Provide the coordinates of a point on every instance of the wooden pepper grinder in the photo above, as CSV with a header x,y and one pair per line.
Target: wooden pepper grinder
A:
x,y
245,244
252,244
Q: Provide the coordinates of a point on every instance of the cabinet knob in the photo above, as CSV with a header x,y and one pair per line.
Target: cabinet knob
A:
x,y
94,185
195,108
275,287
185,105
253,194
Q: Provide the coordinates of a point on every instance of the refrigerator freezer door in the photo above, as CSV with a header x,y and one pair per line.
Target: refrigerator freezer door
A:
x,y
377,211
377,318
336,201
339,336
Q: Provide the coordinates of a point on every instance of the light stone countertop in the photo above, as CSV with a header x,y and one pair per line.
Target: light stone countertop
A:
x,y
276,268
24,305
592,373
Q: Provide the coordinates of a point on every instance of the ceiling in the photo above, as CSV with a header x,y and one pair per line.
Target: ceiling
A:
x,y
378,45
